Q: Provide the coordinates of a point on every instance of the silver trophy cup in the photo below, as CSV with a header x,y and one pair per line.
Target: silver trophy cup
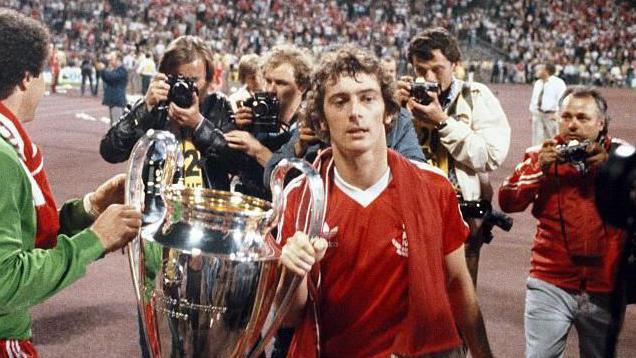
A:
x,y
205,267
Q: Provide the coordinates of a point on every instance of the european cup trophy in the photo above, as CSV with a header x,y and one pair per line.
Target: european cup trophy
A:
x,y
205,266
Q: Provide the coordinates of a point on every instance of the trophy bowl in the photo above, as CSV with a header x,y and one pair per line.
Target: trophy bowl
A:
x,y
206,272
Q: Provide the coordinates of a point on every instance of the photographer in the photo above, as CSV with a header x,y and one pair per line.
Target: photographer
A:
x,y
461,126
198,125
574,254
185,72
42,250
286,70
250,76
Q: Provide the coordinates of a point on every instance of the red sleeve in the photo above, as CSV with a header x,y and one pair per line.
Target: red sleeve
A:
x,y
520,188
455,229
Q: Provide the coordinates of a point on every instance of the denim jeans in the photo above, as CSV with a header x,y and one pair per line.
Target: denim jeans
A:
x,y
550,313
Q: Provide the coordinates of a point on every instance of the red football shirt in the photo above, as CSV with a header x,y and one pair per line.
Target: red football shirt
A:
x,y
363,294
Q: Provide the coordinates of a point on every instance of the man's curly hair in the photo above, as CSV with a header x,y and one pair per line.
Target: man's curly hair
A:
x,y
349,61
24,44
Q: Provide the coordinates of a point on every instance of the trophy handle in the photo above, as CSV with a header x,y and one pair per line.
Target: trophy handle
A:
x,y
312,228
165,148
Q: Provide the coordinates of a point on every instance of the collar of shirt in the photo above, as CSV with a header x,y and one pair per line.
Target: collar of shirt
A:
x,y
455,88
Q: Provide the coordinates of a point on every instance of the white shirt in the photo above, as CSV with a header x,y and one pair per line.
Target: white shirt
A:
x,y
552,92
240,95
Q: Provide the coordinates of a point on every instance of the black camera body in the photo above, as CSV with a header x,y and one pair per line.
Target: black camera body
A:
x,y
419,91
482,209
265,112
573,151
182,90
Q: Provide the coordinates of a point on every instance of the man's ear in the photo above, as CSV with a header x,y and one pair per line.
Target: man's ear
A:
x,y
387,119
323,126
26,80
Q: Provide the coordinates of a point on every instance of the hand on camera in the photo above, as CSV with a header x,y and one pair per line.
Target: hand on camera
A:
x,y
597,155
307,137
403,90
110,192
243,117
157,91
186,117
116,226
548,155
429,115
299,253
245,142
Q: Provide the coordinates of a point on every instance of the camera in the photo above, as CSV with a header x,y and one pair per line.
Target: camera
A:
x,y
482,209
616,188
181,91
265,111
573,151
420,89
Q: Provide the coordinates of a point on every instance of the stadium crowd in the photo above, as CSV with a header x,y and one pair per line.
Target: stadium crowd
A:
x,y
373,137
503,40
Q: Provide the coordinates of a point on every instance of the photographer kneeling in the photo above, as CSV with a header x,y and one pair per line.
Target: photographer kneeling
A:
x,y
574,254
178,100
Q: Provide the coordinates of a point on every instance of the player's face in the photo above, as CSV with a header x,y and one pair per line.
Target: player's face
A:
x,y
196,71
355,114
579,118
438,69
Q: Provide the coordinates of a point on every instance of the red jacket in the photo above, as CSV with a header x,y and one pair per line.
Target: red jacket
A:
x,y
568,224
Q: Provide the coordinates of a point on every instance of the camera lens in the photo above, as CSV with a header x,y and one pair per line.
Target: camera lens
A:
x,y
260,109
181,94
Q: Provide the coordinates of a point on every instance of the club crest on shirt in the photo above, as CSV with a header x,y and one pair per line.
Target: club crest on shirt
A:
x,y
401,245
330,235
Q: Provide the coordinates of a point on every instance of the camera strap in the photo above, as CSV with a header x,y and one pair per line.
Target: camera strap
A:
x,y
584,260
466,94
